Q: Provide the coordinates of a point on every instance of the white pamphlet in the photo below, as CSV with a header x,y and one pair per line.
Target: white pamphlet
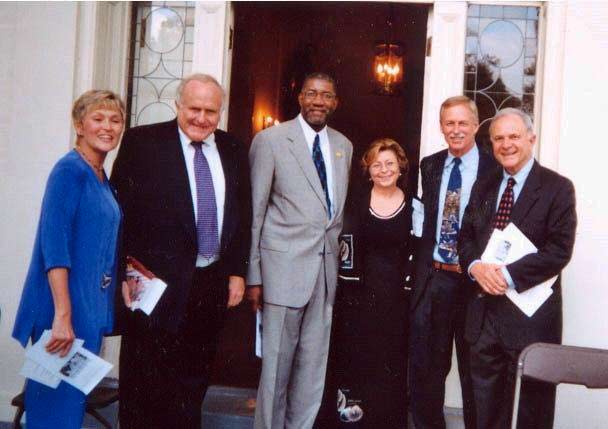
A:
x,y
149,294
417,217
150,287
258,333
80,368
510,245
33,371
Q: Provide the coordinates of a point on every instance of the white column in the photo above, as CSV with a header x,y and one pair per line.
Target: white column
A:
x,y
444,68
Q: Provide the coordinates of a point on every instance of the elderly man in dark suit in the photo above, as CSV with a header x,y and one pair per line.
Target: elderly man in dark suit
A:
x,y
440,293
541,204
184,189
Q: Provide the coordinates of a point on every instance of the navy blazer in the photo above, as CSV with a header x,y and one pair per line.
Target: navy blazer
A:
x,y
431,169
159,227
545,212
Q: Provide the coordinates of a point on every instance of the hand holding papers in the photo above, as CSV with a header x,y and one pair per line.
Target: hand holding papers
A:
x,y
508,246
149,287
80,368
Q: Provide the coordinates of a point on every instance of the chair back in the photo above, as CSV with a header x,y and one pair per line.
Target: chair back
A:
x,y
555,363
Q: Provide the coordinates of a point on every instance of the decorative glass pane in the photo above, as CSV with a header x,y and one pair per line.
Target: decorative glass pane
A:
x,y
160,55
500,60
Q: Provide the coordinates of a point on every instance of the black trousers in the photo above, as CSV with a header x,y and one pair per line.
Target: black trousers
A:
x,y
164,375
493,369
437,322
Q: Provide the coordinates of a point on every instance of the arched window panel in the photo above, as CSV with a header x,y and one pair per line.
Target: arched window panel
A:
x,y
162,40
501,55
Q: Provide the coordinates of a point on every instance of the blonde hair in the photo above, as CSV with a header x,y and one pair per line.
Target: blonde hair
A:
x,y
380,145
96,99
459,100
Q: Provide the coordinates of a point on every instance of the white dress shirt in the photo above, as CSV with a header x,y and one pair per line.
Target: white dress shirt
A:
x,y
309,136
217,175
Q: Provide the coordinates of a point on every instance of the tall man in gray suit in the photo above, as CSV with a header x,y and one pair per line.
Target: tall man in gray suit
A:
x,y
299,172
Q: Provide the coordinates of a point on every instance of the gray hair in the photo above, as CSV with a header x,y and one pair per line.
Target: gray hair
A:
x,y
202,78
527,120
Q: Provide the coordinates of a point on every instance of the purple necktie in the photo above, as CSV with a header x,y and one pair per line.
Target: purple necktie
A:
x,y
206,223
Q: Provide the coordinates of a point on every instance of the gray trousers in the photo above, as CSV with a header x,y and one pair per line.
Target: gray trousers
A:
x,y
295,346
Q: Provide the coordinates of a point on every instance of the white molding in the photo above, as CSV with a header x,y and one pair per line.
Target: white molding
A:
x,y
444,68
210,38
552,83
211,54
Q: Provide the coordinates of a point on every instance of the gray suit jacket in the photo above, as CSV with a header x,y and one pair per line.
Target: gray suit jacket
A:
x,y
291,232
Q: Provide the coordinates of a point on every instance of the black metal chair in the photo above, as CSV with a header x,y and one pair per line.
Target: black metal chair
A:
x,y
104,394
556,364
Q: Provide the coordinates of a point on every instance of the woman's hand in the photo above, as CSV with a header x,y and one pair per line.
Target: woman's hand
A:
x,y
62,332
62,335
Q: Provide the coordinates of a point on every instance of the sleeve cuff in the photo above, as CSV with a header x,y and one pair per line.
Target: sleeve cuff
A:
x,y
471,266
508,278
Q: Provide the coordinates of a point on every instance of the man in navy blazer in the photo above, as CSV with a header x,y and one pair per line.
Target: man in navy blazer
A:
x,y
165,358
440,294
543,207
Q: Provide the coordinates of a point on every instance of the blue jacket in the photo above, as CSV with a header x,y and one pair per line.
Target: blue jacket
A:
x,y
78,230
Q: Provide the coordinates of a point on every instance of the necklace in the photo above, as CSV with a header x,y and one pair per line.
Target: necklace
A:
x,y
98,168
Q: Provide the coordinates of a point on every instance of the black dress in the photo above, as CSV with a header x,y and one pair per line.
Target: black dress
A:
x,y
368,357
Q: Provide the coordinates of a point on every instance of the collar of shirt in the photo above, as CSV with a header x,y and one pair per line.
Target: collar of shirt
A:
x,y
469,160
309,134
520,179
185,140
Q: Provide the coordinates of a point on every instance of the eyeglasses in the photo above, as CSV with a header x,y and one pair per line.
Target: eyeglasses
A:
x,y
312,94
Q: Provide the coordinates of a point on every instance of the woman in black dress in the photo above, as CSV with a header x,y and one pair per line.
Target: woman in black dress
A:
x,y
368,357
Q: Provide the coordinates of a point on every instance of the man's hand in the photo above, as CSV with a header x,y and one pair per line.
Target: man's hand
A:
x,y
489,277
255,296
131,290
236,289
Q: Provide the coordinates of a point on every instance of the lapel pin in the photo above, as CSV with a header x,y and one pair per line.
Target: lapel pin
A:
x,y
338,154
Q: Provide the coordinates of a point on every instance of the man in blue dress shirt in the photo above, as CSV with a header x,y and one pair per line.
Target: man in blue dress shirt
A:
x,y
440,293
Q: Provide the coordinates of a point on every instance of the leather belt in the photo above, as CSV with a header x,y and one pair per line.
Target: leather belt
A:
x,y
452,268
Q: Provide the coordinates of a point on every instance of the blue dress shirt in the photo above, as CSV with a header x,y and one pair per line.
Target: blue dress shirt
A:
x,y
468,171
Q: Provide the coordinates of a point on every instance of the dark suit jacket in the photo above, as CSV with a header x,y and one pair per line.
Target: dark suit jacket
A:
x,y
431,170
545,212
159,228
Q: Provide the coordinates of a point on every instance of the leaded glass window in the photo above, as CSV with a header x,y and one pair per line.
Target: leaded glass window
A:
x,y
500,59
161,54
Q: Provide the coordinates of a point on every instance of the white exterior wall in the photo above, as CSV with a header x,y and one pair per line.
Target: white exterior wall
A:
x,y
37,46
582,155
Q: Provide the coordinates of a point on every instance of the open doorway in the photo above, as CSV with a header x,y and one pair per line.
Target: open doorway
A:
x,y
275,44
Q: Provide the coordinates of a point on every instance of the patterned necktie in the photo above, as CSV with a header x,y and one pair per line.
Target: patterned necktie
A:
x,y
451,215
206,224
317,157
503,215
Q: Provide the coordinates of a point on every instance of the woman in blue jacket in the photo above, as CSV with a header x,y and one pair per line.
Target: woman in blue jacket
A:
x,y
71,280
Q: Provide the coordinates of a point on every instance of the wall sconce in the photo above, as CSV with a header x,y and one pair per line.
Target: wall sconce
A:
x,y
269,121
388,68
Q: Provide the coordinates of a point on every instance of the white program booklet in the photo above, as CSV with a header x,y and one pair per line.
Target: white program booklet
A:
x,y
510,245
80,368
151,287
258,333
417,217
